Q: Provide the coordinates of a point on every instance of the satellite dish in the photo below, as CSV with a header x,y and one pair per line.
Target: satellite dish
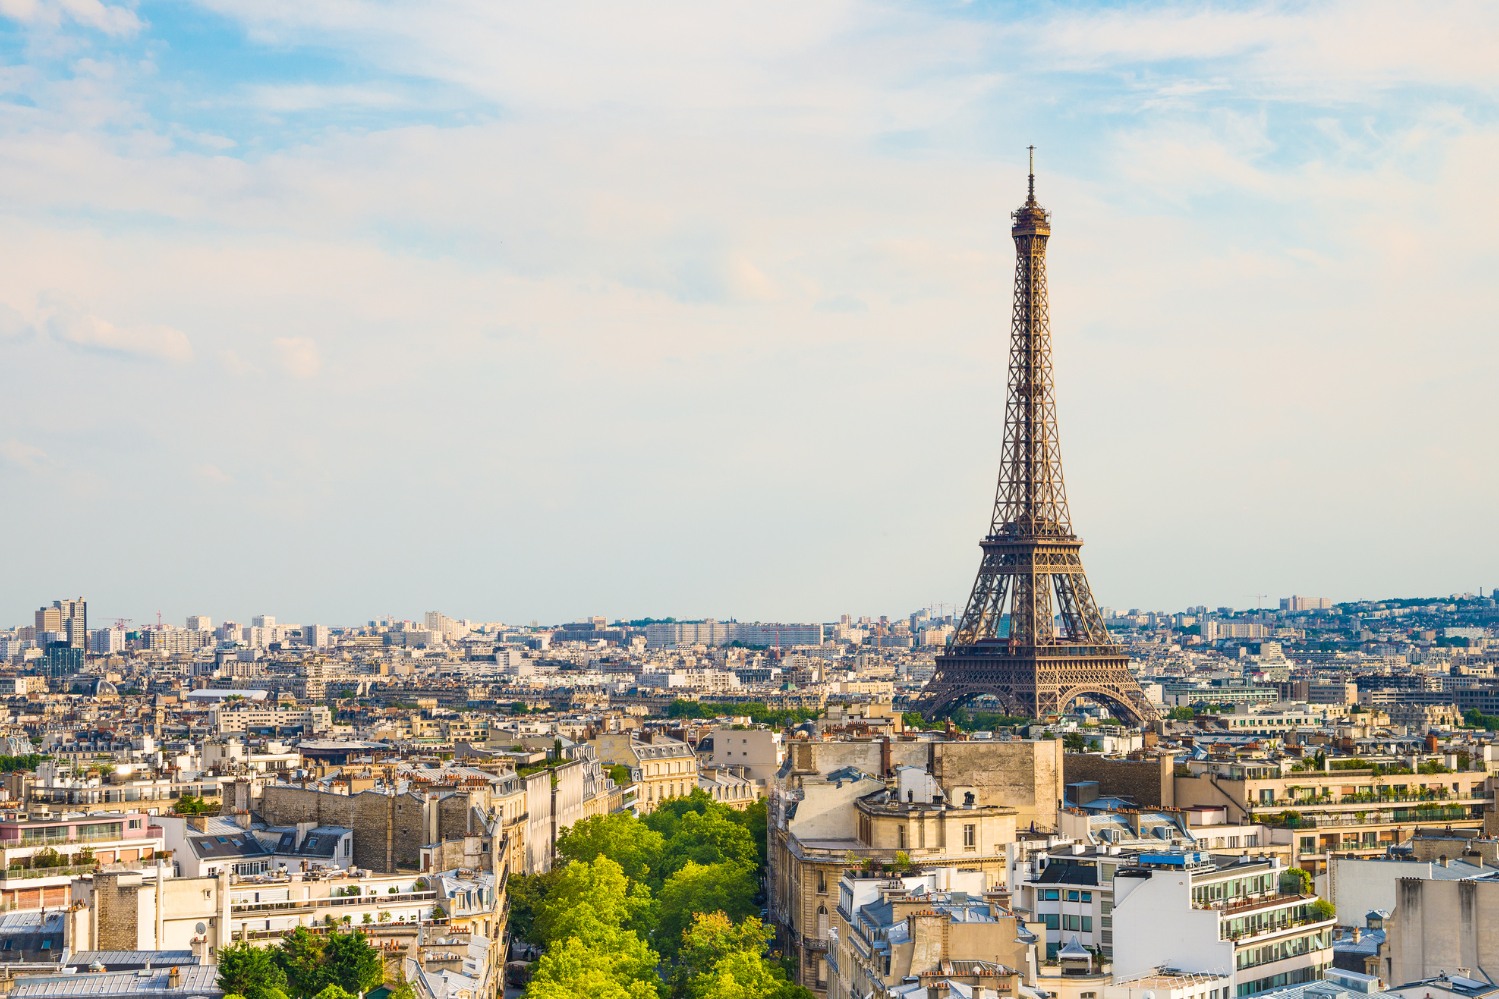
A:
x,y
202,928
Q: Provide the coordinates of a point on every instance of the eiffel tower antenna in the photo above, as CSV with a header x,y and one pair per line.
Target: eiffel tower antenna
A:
x,y
1031,634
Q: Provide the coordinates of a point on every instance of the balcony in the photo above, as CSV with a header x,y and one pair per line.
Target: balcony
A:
x,y
32,873
307,904
1373,817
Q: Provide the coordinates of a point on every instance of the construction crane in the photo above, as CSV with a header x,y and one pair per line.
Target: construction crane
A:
x,y
120,622
1257,598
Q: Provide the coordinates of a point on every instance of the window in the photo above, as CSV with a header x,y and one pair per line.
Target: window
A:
x,y
970,835
1050,895
1051,920
901,835
1087,896
822,883
1087,924
1072,896
1070,923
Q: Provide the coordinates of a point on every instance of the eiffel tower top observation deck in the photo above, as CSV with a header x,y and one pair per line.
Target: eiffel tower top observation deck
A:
x,y
1031,634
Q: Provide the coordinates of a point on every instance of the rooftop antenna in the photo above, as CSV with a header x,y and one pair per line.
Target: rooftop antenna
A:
x,y
1033,172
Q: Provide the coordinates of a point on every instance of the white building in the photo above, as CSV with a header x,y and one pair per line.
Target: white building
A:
x,y
1221,915
106,641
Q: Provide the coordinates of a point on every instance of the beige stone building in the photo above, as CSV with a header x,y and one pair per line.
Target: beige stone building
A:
x,y
930,927
661,768
1441,926
825,825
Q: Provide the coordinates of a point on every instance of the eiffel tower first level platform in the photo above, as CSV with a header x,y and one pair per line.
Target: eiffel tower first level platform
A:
x,y
1031,635
1036,686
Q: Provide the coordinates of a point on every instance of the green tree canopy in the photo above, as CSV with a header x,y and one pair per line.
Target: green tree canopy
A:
x,y
622,967
626,840
251,972
300,958
351,963
727,887
590,899
1295,881
707,838
332,992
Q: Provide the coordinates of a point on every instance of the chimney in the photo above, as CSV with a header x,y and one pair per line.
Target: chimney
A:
x,y
1357,933
885,758
174,978
197,822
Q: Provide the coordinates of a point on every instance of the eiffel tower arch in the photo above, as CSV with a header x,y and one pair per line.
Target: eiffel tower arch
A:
x,y
1031,635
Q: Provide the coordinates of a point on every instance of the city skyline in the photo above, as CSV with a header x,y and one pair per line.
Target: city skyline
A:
x,y
400,307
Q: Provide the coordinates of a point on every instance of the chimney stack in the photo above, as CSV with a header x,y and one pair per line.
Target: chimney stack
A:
x,y
174,978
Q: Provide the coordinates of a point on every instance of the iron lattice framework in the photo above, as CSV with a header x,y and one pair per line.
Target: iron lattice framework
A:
x,y
1056,648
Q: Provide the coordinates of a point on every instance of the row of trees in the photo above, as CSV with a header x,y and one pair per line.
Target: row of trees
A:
x,y
760,714
678,890
307,965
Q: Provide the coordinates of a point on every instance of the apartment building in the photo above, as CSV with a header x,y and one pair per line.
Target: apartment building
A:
x,y
259,716
758,750
890,931
1316,813
823,826
662,768
1203,913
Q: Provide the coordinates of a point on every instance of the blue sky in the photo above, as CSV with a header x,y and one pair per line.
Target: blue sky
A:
x,y
526,311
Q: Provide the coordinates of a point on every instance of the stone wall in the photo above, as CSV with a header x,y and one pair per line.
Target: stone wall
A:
x,y
117,910
1149,781
389,830
1024,774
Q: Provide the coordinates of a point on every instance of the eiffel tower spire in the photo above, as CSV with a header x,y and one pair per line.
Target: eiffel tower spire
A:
x,y
1031,634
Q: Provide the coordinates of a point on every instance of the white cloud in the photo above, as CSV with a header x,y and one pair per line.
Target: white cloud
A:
x,y
13,325
298,356
142,341
112,20
643,257
22,455
212,475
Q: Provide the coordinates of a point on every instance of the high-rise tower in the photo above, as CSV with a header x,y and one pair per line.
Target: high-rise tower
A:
x,y
1055,647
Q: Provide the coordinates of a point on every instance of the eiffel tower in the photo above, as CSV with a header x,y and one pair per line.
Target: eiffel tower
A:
x,y
1031,568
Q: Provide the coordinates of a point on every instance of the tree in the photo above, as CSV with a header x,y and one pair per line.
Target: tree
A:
x,y
1073,742
351,963
189,805
621,837
728,887
251,972
707,838
622,968
756,819
590,898
710,939
333,992
300,958
1295,881
527,893
1323,909
719,959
